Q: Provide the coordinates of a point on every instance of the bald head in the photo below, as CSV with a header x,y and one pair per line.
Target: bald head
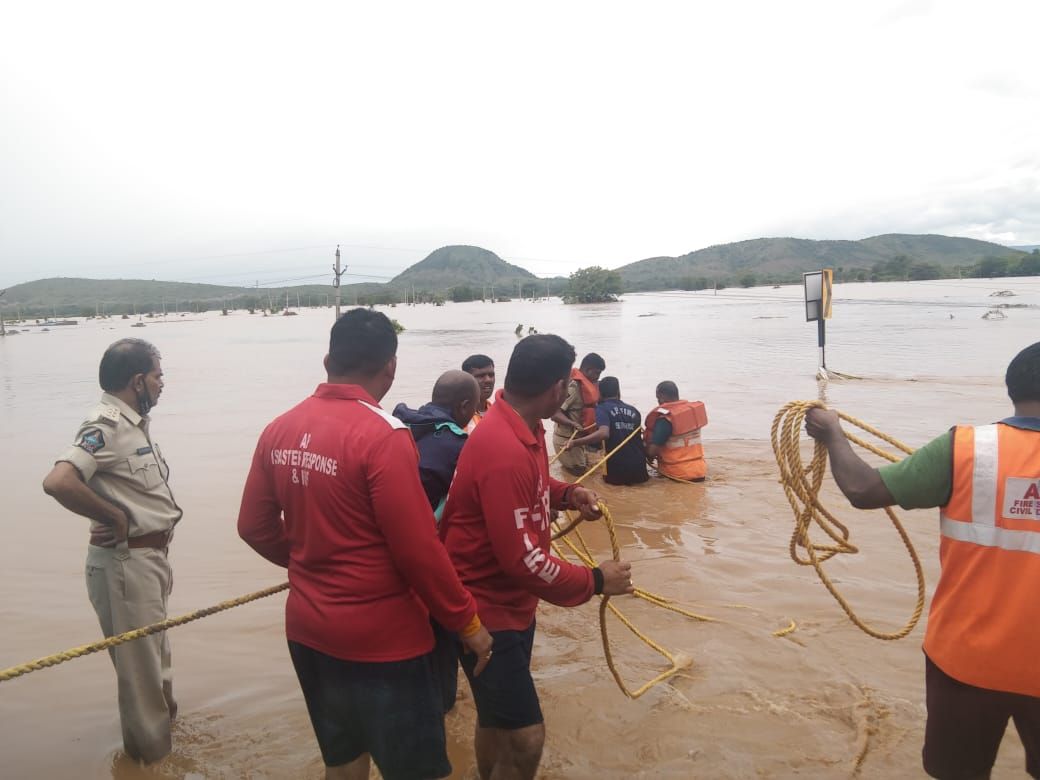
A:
x,y
459,392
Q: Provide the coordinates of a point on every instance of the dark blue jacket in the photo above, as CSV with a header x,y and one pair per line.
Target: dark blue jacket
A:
x,y
439,441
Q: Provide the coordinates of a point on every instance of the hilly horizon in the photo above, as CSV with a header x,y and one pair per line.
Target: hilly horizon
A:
x,y
461,272
784,259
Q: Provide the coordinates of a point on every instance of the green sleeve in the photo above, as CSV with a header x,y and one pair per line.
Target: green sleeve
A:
x,y
922,480
662,431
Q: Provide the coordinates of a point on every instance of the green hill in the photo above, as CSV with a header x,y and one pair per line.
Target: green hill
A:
x,y
451,266
770,260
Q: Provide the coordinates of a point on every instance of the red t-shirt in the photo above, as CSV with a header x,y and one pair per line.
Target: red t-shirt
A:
x,y
334,495
496,523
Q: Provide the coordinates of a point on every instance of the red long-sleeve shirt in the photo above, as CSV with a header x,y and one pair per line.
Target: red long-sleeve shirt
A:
x,y
496,523
334,495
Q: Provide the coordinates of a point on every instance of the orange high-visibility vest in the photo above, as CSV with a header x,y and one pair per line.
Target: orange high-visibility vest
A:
x,y
984,624
682,455
589,399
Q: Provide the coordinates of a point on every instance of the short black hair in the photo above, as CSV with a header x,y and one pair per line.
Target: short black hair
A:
x,y
361,342
1023,375
473,362
536,363
668,389
124,360
592,360
609,387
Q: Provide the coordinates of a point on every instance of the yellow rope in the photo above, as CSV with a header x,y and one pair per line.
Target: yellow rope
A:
x,y
137,633
802,486
677,662
563,449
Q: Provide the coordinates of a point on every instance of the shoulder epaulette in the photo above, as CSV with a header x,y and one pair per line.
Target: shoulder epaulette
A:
x,y
104,413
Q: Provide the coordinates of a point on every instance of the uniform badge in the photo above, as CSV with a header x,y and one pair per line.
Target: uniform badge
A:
x,y
91,441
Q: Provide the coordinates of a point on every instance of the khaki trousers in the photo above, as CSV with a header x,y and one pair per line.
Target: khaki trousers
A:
x,y
575,460
129,589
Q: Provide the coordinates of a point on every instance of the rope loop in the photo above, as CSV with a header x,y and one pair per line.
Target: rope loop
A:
x,y
801,484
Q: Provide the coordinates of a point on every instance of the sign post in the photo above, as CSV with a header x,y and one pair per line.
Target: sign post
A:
x,y
818,285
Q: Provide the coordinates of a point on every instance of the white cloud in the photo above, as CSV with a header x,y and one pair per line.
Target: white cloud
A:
x,y
558,135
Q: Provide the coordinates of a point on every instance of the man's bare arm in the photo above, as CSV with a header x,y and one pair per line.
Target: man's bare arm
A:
x,y
859,481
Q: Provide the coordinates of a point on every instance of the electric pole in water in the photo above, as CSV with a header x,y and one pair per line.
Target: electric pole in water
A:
x,y
335,282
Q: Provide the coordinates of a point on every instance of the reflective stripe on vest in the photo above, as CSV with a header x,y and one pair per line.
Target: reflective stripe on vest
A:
x,y
983,529
984,622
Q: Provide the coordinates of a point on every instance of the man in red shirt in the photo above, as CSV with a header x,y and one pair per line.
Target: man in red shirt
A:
x,y
496,528
333,494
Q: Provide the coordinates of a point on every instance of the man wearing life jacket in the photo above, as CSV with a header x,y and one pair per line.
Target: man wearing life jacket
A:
x,y
578,412
982,645
482,369
673,435
616,424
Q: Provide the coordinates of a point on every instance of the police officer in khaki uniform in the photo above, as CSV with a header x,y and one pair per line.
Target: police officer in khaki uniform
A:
x,y
115,475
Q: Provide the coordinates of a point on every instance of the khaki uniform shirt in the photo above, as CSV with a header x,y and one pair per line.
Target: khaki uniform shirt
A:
x,y
572,406
120,462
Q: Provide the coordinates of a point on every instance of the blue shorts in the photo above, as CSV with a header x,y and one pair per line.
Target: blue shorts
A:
x,y
390,710
504,692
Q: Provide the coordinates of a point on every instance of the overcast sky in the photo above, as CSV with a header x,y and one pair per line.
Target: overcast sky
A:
x,y
228,142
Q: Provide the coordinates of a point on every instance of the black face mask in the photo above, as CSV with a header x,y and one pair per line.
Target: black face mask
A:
x,y
144,402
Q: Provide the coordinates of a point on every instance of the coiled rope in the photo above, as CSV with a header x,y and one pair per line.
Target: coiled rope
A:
x,y
802,487
577,545
137,633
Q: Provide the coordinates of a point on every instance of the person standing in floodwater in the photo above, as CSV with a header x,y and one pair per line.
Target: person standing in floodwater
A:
x,y
617,424
673,435
982,644
496,528
334,495
577,412
115,474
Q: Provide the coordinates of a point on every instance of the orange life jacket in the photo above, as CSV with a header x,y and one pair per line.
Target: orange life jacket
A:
x,y
589,399
682,455
474,421
984,624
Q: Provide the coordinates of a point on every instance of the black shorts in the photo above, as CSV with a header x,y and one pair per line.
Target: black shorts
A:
x,y
504,692
966,724
390,710
445,658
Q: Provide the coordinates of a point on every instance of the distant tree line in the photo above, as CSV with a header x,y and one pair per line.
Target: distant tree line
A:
x,y
899,268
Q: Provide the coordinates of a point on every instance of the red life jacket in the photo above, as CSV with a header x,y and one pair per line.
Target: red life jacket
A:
x,y
682,455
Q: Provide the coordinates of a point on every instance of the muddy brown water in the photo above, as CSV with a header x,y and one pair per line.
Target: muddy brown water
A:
x,y
749,705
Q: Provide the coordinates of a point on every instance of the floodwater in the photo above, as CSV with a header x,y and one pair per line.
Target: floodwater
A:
x,y
749,705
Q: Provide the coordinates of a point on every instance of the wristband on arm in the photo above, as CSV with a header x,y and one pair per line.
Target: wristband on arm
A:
x,y
597,579
473,626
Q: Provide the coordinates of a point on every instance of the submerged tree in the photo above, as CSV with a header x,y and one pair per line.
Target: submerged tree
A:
x,y
593,285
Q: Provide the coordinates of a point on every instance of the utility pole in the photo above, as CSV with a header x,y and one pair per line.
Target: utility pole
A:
x,y
492,293
3,331
547,290
519,290
335,282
